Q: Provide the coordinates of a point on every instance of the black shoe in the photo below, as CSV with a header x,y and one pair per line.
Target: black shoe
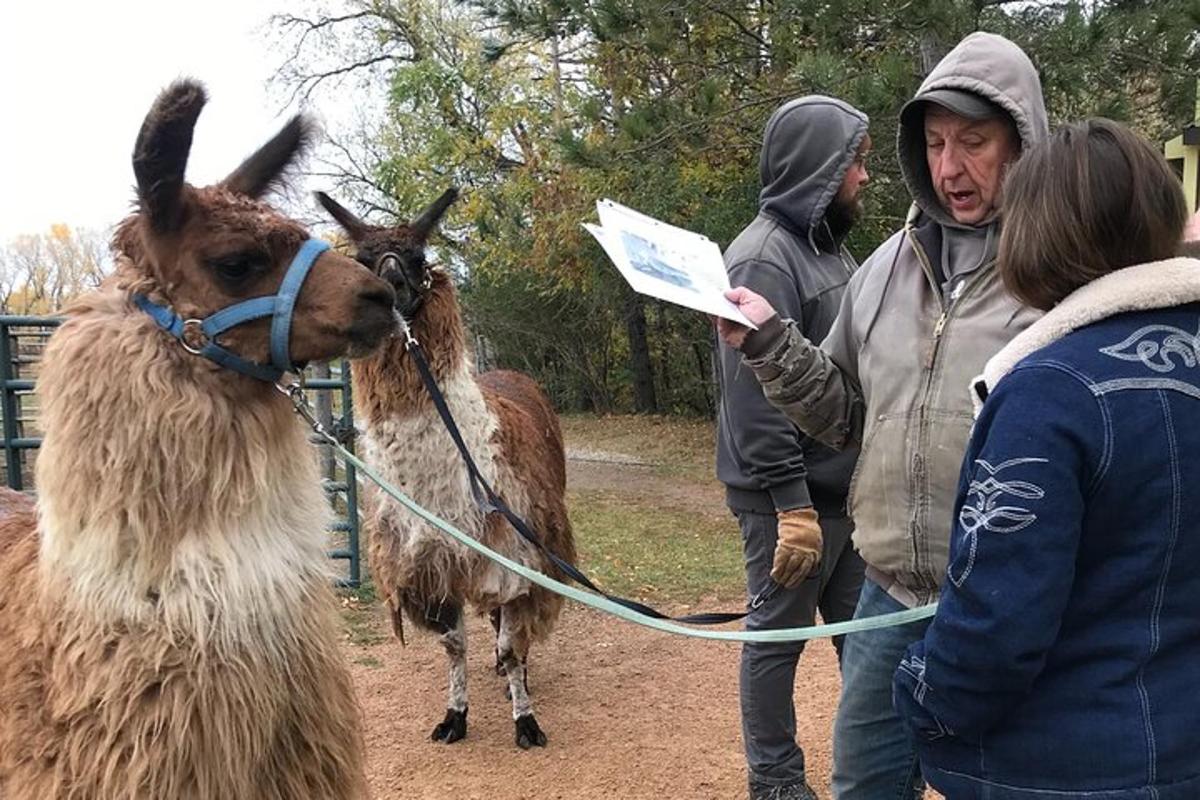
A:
x,y
787,791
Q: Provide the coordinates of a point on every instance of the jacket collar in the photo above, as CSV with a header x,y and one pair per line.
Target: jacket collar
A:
x,y
1158,284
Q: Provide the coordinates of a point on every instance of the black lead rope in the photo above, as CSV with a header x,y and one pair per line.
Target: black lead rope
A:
x,y
489,501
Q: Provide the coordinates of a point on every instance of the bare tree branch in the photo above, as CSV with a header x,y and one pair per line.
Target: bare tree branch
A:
x,y
737,23
307,84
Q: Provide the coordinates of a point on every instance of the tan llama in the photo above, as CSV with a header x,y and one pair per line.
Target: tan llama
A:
x,y
167,627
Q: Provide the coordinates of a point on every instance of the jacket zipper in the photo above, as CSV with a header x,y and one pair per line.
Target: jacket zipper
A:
x,y
939,328
937,337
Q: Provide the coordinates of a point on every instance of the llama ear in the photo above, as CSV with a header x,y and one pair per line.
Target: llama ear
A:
x,y
265,169
161,152
354,227
423,225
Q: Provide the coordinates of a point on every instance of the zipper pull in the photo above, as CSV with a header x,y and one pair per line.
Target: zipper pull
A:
x,y
933,345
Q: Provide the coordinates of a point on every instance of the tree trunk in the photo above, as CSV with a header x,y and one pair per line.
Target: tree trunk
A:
x,y
706,375
662,333
644,401
932,51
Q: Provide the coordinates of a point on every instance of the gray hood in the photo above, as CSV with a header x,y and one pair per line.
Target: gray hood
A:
x,y
991,67
808,146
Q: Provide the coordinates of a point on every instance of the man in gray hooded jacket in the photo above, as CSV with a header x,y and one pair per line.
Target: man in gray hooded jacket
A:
x,y
917,323
788,491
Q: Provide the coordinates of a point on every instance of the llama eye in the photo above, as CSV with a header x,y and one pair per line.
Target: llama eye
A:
x,y
237,266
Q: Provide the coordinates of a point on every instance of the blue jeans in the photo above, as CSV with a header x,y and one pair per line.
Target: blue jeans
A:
x,y
873,758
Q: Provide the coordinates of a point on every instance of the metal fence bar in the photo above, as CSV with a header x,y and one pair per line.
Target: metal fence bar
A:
x,y
351,481
12,458
15,444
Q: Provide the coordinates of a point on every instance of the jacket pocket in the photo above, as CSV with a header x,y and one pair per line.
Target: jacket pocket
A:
x,y
949,432
879,497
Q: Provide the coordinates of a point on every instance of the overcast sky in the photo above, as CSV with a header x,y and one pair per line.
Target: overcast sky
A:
x,y
77,77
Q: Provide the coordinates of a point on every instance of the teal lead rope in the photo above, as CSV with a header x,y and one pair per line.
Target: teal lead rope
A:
x,y
296,393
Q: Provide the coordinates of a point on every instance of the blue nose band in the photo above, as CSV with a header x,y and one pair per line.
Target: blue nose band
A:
x,y
199,335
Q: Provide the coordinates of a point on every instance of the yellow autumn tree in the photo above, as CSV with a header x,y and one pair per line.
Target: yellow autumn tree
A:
x,y
40,272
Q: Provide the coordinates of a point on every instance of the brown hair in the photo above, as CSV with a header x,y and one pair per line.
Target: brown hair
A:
x,y
1093,199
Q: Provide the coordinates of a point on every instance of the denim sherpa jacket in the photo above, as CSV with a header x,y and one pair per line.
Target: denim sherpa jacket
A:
x,y
1064,660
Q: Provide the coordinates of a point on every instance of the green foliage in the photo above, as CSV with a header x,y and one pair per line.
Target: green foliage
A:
x,y
540,107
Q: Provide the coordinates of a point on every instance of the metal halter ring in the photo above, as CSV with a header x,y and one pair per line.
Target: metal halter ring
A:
x,y
193,338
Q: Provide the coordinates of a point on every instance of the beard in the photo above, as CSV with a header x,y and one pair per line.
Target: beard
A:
x,y
842,215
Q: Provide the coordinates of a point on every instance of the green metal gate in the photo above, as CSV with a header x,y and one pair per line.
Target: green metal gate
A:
x,y
22,339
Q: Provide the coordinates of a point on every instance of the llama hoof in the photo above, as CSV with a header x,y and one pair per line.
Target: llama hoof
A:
x,y
452,728
528,733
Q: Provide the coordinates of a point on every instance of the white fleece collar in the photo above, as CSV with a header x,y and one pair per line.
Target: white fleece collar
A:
x,y
1158,284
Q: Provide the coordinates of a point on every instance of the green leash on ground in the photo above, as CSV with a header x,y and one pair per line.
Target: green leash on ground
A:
x,y
609,607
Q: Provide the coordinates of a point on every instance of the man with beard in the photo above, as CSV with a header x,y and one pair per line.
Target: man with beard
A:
x,y
917,323
787,491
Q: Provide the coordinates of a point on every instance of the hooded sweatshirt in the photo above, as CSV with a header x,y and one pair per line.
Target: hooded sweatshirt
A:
x,y
892,375
789,255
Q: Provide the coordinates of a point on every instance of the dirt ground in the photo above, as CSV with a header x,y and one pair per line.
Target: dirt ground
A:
x,y
630,712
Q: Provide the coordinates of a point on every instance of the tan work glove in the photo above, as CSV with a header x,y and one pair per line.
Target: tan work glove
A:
x,y
798,550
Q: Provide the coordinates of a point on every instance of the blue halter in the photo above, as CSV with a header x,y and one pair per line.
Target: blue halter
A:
x,y
199,335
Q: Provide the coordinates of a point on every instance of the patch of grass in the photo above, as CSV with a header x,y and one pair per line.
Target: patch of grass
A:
x,y
365,593
637,549
362,627
676,446
369,661
360,616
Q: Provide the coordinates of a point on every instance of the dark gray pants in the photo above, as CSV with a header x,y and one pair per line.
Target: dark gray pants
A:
x,y
768,671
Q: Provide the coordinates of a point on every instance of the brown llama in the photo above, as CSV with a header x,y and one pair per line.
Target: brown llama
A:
x,y
513,433
167,626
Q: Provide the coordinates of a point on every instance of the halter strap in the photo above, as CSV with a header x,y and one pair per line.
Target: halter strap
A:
x,y
279,307
285,300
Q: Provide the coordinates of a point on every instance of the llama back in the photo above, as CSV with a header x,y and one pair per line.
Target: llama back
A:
x,y
16,510
540,429
531,458
20,674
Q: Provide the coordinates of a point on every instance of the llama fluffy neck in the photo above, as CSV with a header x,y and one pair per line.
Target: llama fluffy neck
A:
x,y
170,491
387,384
405,436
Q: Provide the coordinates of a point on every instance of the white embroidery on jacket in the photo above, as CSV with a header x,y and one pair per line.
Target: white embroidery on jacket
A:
x,y
985,513
1153,346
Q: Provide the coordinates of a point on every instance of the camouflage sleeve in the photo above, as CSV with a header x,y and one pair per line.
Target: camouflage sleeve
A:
x,y
817,387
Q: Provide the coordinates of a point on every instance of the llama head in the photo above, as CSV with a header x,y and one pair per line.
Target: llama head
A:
x,y
204,249
397,253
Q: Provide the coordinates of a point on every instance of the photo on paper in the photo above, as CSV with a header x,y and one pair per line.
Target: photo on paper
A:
x,y
644,256
665,262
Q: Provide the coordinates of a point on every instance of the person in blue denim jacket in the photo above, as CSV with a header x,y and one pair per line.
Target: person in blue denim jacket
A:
x,y
1064,656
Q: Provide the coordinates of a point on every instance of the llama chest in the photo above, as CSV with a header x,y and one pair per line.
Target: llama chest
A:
x,y
228,584
416,454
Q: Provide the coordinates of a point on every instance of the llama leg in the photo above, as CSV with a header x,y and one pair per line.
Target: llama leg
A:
x,y
448,619
513,644
494,616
